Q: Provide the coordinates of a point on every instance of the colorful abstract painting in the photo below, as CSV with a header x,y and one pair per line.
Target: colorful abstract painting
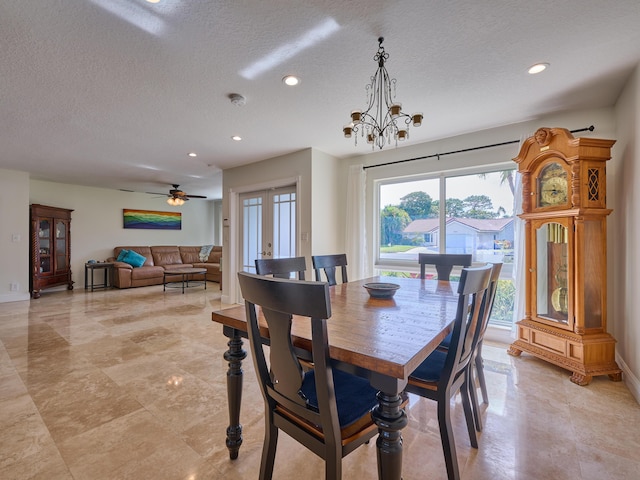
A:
x,y
150,219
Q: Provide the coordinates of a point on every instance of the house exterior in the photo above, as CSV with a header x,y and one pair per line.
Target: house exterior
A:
x,y
464,235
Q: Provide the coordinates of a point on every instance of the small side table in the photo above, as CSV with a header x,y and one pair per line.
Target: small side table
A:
x,y
184,281
107,269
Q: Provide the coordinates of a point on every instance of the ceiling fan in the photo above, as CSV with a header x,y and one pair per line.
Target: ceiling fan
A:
x,y
177,196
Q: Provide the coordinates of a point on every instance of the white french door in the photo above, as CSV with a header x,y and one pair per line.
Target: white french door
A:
x,y
267,226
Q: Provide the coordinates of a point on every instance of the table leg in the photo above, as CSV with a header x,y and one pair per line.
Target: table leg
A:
x,y
390,418
234,356
92,270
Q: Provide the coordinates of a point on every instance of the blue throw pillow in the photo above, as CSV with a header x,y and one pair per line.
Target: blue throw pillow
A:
x,y
134,259
121,255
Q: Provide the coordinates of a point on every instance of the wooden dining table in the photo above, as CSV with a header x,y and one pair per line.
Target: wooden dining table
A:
x,y
383,340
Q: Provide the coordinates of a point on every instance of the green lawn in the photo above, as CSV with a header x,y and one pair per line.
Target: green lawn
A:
x,y
396,248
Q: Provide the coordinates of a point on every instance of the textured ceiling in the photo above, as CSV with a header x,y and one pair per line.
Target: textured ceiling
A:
x,y
114,93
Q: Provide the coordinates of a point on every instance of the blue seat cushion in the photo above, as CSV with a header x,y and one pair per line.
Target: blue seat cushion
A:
x,y
446,342
354,395
431,369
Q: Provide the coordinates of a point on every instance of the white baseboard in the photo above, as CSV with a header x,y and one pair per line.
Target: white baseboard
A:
x,y
630,380
498,334
14,297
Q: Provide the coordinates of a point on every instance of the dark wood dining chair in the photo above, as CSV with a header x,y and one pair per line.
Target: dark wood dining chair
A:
x,y
444,263
281,267
329,263
444,373
325,409
477,364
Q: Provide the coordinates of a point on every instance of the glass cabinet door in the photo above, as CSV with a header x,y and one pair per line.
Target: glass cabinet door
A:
x,y
553,294
61,245
44,234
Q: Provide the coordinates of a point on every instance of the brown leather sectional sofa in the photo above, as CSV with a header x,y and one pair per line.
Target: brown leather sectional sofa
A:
x,y
159,259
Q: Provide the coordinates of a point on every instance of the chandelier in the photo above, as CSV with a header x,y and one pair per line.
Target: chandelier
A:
x,y
383,120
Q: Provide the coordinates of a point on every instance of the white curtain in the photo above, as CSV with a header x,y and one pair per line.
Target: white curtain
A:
x,y
356,245
519,278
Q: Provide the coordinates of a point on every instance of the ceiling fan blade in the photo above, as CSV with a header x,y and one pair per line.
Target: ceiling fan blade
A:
x,y
176,193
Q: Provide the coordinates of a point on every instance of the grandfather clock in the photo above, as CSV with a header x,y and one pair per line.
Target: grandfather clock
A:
x,y
565,215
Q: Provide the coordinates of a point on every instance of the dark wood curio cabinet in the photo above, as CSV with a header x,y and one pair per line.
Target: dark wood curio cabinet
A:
x,y
50,260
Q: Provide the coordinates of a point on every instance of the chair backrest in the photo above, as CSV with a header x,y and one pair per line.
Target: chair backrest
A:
x,y
328,263
444,263
281,267
490,296
474,283
283,382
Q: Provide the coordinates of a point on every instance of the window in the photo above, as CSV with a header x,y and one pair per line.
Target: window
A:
x,y
477,218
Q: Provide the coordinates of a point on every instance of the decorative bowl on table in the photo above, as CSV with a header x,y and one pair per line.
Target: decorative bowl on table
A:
x,y
381,290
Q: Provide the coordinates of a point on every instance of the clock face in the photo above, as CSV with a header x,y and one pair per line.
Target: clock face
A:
x,y
552,186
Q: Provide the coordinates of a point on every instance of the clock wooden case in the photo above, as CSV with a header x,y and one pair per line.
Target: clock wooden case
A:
x,y
565,221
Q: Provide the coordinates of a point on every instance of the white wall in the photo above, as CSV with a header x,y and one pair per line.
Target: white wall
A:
x,y
623,177
328,205
602,119
274,172
97,222
217,222
14,235
96,225
625,237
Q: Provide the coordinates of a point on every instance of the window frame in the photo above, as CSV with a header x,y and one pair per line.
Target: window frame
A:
x,y
442,176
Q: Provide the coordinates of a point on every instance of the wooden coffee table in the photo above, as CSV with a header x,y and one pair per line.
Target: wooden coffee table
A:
x,y
184,274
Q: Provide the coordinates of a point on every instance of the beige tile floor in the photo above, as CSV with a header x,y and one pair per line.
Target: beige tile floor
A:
x,y
131,385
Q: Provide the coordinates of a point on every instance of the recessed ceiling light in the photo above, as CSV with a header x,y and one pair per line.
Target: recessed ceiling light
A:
x,y
237,138
537,68
192,154
291,80
153,1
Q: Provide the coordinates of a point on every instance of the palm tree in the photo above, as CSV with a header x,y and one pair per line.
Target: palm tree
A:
x,y
506,176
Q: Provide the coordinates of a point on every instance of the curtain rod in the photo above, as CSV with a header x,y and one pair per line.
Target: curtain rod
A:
x,y
438,155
